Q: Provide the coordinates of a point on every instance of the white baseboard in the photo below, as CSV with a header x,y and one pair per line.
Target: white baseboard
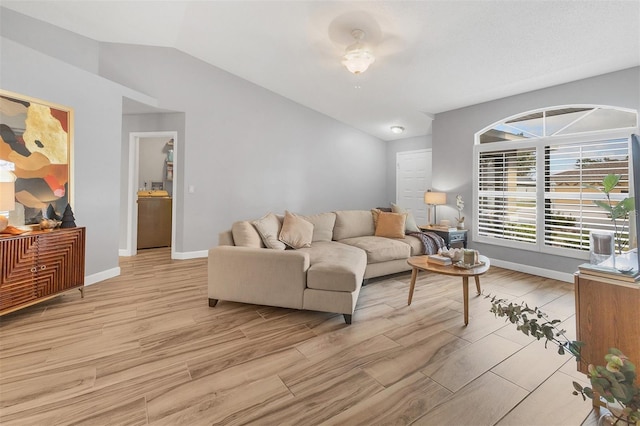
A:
x,y
101,276
125,253
533,270
191,254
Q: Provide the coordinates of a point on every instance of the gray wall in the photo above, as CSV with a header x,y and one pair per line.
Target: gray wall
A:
x,y
453,138
246,150
96,140
401,145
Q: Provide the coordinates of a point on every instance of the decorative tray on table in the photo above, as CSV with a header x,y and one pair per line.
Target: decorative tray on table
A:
x,y
462,265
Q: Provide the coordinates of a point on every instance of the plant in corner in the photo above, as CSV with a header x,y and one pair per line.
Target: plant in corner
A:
x,y
614,382
615,211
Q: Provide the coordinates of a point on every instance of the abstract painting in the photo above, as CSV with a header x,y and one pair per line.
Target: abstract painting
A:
x,y
35,140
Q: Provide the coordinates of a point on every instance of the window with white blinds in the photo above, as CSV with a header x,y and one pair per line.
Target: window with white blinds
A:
x,y
572,171
507,195
536,175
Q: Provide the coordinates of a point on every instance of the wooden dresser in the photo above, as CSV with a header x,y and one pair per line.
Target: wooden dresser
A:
x,y
39,265
607,316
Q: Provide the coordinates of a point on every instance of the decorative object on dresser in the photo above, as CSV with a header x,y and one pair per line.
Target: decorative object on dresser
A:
x,y
68,220
38,265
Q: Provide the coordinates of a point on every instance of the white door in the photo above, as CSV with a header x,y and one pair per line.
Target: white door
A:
x,y
413,178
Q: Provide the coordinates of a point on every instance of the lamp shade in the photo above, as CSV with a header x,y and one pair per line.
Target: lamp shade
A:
x,y
7,196
7,191
435,198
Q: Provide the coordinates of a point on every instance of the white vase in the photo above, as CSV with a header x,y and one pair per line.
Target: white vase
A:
x,y
460,225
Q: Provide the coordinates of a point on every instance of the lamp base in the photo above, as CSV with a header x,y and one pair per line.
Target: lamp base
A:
x,y
4,222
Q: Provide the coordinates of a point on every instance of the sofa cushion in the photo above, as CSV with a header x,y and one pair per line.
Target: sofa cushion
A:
x,y
417,248
246,235
380,249
390,225
296,232
322,225
269,227
335,266
411,225
353,223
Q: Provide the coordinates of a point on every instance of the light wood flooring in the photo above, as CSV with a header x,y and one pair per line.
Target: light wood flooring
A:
x,y
145,348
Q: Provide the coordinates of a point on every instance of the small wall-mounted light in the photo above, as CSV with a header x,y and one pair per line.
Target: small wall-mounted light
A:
x,y
397,129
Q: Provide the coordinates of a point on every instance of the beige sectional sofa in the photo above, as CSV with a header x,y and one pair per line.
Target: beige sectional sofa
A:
x,y
324,273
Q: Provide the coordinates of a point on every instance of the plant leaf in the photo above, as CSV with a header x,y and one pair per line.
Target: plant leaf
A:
x,y
604,205
609,182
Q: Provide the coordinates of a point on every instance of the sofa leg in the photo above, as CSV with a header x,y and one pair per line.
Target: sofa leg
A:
x,y
213,302
347,318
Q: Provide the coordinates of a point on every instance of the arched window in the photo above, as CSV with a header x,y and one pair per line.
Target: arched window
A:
x,y
534,172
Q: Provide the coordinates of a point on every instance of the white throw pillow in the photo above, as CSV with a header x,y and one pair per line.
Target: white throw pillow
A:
x,y
246,235
296,232
322,225
410,225
269,228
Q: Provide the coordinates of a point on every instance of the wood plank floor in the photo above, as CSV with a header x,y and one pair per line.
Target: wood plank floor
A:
x,y
145,348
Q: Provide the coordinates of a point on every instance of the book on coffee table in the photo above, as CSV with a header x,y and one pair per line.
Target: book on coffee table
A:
x,y
439,260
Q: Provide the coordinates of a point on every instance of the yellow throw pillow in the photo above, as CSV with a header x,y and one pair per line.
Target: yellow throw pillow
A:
x,y
411,222
296,232
391,225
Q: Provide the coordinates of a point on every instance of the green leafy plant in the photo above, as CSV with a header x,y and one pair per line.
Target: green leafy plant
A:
x,y
616,211
615,382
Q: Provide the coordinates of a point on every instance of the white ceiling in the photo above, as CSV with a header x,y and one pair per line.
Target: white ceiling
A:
x,y
431,56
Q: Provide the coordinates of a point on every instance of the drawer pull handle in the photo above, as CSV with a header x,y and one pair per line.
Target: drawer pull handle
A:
x,y
43,267
34,269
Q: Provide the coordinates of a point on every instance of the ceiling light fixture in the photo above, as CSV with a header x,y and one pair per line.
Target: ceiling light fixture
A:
x,y
397,129
357,56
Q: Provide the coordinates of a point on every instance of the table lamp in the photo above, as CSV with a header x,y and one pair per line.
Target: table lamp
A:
x,y
434,199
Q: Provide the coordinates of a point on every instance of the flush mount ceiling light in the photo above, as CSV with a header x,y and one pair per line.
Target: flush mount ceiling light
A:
x,y
357,57
397,129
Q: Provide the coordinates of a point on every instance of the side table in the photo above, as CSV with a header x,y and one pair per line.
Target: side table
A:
x,y
452,238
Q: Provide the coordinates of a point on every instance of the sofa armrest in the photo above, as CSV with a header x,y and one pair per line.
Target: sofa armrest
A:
x,y
258,275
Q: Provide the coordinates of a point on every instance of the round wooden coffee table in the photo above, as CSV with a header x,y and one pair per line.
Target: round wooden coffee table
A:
x,y
419,263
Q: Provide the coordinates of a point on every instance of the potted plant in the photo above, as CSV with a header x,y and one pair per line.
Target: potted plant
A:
x,y
615,381
615,211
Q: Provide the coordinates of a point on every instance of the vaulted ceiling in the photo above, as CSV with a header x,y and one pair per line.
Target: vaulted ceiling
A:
x,y
431,56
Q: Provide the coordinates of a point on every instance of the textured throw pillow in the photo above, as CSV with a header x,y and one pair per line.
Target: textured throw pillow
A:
x,y
296,232
246,235
269,228
391,225
323,224
411,225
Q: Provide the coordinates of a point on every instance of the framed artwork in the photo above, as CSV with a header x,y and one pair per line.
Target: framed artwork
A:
x,y
36,144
